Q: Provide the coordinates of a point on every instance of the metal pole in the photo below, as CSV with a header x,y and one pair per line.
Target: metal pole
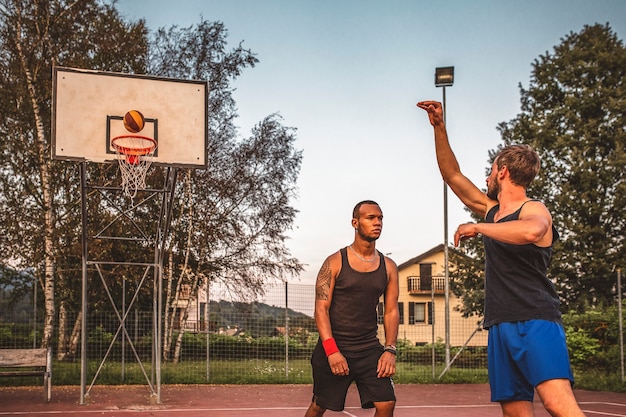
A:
x,y
286,331
432,326
123,341
35,310
445,254
158,275
207,319
83,324
621,324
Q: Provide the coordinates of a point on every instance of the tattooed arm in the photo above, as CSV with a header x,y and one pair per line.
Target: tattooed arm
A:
x,y
323,297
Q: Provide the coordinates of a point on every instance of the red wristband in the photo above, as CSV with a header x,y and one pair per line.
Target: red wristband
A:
x,y
330,346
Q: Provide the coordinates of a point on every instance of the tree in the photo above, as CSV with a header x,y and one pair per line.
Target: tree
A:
x,y
229,221
467,279
39,210
231,218
573,114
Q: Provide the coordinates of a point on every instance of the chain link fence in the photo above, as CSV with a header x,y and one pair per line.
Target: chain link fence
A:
x,y
266,340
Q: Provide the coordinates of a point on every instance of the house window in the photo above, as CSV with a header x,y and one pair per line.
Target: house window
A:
x,y
401,312
417,313
426,277
431,313
202,310
421,313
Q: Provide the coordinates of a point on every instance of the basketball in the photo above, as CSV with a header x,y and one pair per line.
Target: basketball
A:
x,y
134,121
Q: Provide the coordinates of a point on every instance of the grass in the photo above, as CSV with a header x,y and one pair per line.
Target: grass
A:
x,y
261,371
594,380
249,371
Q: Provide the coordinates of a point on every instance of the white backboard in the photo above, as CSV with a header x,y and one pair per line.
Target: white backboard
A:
x,y
89,106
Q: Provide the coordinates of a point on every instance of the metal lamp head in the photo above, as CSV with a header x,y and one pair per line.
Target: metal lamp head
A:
x,y
444,76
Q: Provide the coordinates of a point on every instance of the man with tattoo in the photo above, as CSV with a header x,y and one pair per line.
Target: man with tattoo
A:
x,y
349,286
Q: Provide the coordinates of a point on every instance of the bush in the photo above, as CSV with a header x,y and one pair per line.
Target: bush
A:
x,y
15,335
583,349
593,340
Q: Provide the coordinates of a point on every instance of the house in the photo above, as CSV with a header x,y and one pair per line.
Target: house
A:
x,y
228,331
298,333
422,304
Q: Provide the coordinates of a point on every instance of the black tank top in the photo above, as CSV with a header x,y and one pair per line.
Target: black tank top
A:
x,y
353,307
516,286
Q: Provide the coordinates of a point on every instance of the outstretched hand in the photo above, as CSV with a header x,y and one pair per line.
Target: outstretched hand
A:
x,y
463,232
434,109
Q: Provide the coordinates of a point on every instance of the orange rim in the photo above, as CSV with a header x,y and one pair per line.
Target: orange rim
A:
x,y
145,146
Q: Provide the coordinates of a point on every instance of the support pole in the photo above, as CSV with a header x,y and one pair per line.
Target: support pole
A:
x,y
621,324
83,318
446,289
432,328
286,330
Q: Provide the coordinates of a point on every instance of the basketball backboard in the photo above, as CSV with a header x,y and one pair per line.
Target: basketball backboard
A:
x,y
88,109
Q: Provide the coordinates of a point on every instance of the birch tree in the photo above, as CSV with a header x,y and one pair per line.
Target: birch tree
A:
x,y
241,203
37,216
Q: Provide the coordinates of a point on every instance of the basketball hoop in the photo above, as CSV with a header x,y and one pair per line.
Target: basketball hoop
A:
x,y
131,151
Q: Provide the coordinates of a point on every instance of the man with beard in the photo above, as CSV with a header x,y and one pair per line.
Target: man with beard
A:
x,y
348,288
526,344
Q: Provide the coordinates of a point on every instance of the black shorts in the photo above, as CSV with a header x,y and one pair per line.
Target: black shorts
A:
x,y
329,391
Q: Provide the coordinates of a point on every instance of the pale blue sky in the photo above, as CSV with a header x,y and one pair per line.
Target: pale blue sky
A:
x,y
347,75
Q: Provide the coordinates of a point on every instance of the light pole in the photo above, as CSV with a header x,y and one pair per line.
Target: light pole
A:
x,y
444,77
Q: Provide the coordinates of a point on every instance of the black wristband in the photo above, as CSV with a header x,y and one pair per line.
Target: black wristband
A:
x,y
390,350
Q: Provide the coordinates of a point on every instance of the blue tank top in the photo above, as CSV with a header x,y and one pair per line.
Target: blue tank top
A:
x,y
353,307
516,286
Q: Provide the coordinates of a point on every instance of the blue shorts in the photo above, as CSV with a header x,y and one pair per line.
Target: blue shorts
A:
x,y
522,355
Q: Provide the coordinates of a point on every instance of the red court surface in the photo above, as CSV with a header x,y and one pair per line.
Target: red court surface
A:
x,y
434,400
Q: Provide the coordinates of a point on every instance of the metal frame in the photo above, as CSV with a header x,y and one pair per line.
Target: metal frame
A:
x,y
166,194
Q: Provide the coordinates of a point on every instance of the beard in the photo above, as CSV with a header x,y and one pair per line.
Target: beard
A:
x,y
493,191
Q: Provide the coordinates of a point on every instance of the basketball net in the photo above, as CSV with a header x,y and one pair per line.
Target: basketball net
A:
x,y
132,152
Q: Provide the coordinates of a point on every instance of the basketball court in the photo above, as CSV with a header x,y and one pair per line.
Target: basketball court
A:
x,y
139,121
433,400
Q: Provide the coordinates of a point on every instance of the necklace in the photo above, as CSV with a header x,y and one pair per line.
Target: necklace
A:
x,y
362,258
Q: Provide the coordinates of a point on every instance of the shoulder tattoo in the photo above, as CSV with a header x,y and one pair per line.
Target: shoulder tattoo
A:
x,y
322,287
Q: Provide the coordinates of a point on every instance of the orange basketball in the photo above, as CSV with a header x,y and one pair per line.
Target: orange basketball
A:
x,y
134,121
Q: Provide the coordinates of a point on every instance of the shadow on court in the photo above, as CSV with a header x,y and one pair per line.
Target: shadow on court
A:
x,y
432,400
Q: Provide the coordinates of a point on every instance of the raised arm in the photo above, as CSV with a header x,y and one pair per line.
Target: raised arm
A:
x,y
468,193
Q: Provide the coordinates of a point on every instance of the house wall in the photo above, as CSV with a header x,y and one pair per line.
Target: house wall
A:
x,y
461,329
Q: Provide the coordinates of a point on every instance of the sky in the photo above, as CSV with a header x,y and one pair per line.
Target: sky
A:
x,y
347,74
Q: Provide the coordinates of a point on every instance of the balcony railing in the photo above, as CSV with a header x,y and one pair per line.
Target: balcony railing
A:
x,y
419,285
